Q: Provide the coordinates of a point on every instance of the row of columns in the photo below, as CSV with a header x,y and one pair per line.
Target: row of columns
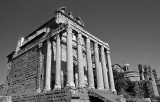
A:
x,y
100,64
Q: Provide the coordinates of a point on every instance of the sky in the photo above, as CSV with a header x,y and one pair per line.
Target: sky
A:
x,y
131,27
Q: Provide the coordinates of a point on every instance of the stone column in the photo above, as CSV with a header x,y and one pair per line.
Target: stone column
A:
x,y
48,67
80,61
111,79
99,76
104,68
89,64
76,80
141,71
70,78
142,75
58,63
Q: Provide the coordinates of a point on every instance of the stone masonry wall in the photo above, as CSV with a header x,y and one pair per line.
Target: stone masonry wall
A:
x,y
23,76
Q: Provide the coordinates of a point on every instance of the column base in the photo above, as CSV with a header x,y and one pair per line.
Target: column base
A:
x,y
107,89
71,85
57,87
91,87
38,90
47,89
81,86
114,91
100,88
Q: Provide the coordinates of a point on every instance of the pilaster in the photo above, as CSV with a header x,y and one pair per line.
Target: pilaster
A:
x,y
40,67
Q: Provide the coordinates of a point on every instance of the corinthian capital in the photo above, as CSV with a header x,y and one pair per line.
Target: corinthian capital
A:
x,y
102,48
48,30
58,36
40,44
88,40
69,30
79,38
95,45
108,52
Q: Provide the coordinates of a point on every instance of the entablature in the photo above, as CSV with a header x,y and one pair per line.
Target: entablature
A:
x,y
77,25
61,22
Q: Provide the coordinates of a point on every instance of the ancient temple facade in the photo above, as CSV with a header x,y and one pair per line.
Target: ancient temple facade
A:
x,y
60,59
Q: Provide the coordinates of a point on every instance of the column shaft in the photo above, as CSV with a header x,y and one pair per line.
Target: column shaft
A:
x,y
58,63
142,76
111,79
80,61
70,78
62,79
100,84
89,64
48,67
104,68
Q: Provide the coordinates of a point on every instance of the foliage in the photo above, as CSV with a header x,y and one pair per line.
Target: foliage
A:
x,y
140,89
132,89
121,84
150,89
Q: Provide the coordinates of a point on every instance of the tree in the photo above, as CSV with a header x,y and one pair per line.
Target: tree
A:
x,y
121,83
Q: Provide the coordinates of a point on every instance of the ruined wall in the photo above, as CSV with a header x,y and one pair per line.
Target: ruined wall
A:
x,y
62,95
23,75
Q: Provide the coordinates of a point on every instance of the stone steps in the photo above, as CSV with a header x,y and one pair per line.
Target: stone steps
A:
x,y
109,95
